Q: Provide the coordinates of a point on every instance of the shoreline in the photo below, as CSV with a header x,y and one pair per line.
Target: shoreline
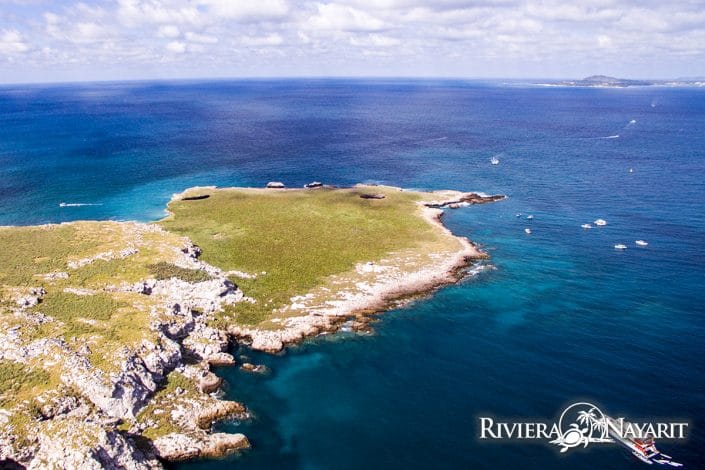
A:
x,y
168,376
384,294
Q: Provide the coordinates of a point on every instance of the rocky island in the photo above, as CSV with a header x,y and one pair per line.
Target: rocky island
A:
x,y
108,330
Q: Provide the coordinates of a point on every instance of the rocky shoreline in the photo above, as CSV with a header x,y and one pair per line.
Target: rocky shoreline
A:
x,y
116,420
380,295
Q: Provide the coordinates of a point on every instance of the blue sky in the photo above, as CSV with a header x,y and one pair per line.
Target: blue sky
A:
x,y
42,40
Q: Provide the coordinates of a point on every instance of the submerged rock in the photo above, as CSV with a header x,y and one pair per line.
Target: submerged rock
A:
x,y
256,369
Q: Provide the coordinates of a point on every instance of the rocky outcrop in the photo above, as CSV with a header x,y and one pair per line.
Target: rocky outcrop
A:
x,y
179,447
209,382
179,324
255,369
463,200
90,447
221,359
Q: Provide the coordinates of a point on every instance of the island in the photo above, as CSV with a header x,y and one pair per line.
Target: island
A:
x,y
109,330
604,81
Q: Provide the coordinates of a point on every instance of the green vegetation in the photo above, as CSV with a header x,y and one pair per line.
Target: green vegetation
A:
x,y
16,378
164,270
72,308
157,414
42,249
297,237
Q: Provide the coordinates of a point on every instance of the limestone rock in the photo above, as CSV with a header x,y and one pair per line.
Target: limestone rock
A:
x,y
179,447
209,382
221,359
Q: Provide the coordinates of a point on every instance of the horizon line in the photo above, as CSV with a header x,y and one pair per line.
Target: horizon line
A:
x,y
324,77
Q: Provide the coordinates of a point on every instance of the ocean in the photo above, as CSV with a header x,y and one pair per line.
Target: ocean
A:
x,y
554,317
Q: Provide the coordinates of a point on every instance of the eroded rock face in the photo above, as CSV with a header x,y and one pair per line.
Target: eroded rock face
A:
x,y
90,447
81,431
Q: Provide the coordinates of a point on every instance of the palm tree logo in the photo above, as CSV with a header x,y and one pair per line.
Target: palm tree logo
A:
x,y
589,425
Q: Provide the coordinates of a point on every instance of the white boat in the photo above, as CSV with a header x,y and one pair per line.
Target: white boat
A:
x,y
519,214
586,226
643,448
641,243
494,161
631,170
620,246
529,217
600,222
527,231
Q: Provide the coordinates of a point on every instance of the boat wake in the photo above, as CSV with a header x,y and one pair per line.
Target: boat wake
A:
x,y
77,204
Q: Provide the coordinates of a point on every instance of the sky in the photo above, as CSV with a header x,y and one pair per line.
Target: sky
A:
x,y
66,40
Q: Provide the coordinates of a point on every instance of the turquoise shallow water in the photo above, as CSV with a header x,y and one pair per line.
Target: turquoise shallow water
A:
x,y
561,317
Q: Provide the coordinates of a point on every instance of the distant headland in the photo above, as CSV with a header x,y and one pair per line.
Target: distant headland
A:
x,y
604,81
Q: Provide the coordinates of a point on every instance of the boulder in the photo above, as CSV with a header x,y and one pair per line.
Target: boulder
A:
x,y
209,382
221,359
255,369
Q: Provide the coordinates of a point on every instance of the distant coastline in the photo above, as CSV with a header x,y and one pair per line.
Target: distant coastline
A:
x,y
604,81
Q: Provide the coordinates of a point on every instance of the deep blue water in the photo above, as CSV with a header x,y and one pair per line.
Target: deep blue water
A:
x,y
564,316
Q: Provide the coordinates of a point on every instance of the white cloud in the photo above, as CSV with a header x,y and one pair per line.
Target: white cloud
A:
x,y
332,16
133,12
12,42
374,40
248,10
604,40
355,37
273,39
177,47
200,38
168,31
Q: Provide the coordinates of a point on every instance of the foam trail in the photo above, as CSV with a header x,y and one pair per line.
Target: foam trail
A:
x,y
76,204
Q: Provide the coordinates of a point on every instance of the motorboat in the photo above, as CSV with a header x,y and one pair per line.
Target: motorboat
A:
x,y
586,226
641,243
527,231
529,217
600,222
494,161
642,448
620,246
